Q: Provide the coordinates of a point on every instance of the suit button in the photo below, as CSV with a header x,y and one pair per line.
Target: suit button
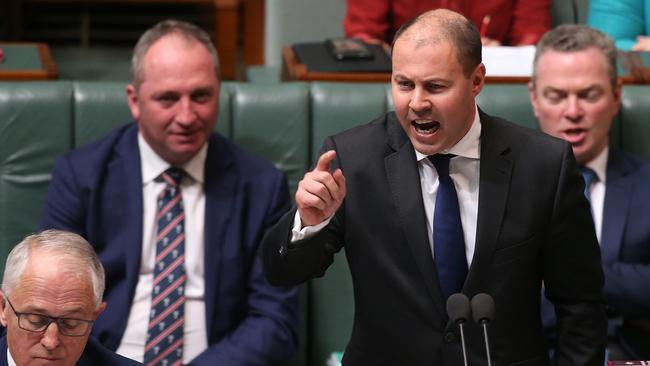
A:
x,y
449,337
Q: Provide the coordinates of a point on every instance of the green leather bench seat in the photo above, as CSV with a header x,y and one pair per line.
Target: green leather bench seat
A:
x,y
284,122
36,126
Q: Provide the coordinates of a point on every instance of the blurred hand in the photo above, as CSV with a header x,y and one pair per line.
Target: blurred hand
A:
x,y
320,193
642,44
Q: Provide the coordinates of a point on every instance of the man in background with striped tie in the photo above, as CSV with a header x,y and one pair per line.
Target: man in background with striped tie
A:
x,y
576,94
175,212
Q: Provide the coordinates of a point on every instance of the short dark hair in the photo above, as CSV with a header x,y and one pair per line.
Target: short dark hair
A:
x,y
455,29
577,37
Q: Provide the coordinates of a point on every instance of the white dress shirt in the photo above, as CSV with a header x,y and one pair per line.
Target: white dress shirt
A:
x,y
598,188
10,360
464,171
195,333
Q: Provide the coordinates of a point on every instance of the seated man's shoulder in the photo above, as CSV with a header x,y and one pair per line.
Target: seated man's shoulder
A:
x,y
96,354
246,161
106,144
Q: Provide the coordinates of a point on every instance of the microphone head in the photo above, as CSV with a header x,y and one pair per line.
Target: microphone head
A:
x,y
458,308
482,308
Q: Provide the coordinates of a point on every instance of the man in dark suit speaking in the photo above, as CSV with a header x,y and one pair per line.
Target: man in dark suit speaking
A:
x,y
176,213
438,197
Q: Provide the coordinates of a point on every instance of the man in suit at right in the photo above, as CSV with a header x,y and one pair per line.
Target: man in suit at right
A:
x,y
575,94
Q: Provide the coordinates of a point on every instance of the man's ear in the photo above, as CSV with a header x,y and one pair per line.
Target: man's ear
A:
x,y
478,79
133,101
533,96
100,309
3,309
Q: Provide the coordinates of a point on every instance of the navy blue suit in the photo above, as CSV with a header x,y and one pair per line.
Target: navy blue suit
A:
x,y
94,355
625,249
96,191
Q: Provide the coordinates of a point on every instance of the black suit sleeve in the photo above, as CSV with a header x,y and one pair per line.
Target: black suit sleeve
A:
x,y
573,275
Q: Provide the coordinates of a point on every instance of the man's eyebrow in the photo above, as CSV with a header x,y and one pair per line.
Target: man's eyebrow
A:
x,y
164,93
40,311
205,89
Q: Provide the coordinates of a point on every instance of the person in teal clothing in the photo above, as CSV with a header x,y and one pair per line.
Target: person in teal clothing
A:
x,y
626,21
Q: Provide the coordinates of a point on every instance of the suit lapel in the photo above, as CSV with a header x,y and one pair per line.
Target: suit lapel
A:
x,y
404,181
494,185
617,199
220,194
129,180
3,351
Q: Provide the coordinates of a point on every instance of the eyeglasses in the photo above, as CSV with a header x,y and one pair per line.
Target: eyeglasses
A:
x,y
38,323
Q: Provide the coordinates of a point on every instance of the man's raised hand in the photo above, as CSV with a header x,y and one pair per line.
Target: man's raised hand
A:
x,y
320,193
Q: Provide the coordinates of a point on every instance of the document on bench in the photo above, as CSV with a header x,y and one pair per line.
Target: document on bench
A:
x,y
509,61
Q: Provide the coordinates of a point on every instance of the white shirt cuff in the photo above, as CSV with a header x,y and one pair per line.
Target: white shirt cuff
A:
x,y
299,233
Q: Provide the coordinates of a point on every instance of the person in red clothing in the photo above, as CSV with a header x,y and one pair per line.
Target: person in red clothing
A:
x,y
502,22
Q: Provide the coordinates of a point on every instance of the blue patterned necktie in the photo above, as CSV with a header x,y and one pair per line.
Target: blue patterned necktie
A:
x,y
590,177
165,333
448,239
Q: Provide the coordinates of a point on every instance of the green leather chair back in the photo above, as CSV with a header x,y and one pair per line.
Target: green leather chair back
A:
x,y
509,101
635,120
336,107
99,107
272,121
35,128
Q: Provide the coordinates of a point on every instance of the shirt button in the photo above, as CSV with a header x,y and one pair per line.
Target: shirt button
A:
x,y
449,337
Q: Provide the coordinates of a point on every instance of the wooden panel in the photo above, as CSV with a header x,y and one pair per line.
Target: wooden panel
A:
x,y
254,32
223,21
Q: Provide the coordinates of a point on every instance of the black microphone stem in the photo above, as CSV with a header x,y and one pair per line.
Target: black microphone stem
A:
x,y
487,344
462,342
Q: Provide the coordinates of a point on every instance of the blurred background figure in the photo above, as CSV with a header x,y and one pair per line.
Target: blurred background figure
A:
x,y
576,94
626,21
501,22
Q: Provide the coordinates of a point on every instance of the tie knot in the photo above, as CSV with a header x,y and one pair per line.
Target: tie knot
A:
x,y
171,176
441,162
589,175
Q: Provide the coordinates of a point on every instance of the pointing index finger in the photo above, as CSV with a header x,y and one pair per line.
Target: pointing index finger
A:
x,y
324,161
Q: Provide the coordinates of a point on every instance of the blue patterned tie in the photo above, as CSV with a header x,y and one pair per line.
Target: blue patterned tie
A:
x,y
448,240
590,177
165,334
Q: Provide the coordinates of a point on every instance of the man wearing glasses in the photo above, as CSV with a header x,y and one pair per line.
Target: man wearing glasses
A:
x,y
51,295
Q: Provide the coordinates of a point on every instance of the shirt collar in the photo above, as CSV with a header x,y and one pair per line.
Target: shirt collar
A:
x,y
153,165
469,146
599,164
10,359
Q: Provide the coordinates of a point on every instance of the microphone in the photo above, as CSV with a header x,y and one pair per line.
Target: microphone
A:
x,y
483,313
458,310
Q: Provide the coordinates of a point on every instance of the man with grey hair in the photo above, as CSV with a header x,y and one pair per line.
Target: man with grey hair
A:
x,y
576,95
176,212
51,295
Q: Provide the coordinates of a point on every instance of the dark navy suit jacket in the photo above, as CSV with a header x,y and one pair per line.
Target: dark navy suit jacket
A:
x,y
625,247
94,355
96,191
